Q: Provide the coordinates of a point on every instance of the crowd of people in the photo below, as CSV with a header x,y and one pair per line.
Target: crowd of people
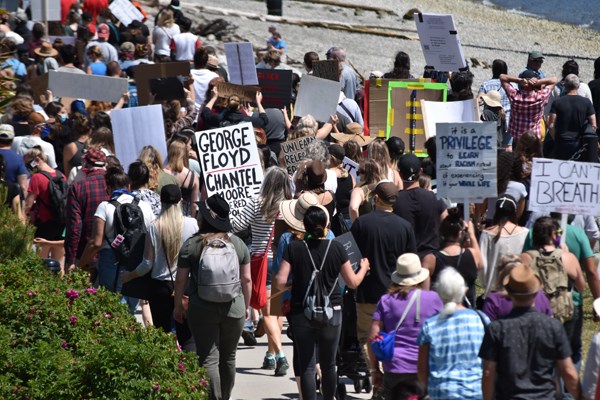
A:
x,y
485,308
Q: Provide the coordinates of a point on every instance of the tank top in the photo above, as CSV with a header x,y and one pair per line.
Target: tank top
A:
x,y
367,205
467,268
186,194
76,159
342,195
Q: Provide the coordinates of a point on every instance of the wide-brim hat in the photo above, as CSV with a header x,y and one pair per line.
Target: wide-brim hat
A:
x,y
292,211
492,98
361,139
215,212
46,50
409,271
522,281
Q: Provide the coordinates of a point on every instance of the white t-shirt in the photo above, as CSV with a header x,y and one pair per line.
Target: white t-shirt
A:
x,y
185,46
202,78
161,37
106,212
515,189
22,144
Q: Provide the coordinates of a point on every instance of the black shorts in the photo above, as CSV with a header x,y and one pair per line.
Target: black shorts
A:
x,y
50,230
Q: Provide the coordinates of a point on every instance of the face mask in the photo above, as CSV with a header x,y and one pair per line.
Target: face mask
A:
x,y
63,118
556,240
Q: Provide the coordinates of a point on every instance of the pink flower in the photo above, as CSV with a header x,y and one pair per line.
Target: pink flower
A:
x,y
64,345
156,387
73,319
72,294
181,367
106,315
31,294
96,323
179,348
91,290
203,382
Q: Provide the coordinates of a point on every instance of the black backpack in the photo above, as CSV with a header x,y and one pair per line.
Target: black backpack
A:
x,y
130,234
57,187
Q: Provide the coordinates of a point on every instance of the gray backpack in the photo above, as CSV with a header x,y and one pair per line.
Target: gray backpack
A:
x,y
219,272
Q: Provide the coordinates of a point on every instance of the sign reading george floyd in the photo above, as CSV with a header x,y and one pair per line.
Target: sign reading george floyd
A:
x,y
466,160
231,164
294,152
565,186
275,86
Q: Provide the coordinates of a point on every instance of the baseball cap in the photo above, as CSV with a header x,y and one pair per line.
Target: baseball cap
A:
x,y
387,191
103,31
536,54
7,132
409,166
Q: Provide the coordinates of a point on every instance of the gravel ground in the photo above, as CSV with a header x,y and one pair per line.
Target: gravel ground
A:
x,y
486,33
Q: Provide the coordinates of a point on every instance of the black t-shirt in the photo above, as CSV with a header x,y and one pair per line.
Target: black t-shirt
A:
x,y
382,237
525,345
571,115
422,209
302,268
595,89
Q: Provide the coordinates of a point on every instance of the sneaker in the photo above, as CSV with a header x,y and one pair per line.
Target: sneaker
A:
x,y
282,366
268,363
249,338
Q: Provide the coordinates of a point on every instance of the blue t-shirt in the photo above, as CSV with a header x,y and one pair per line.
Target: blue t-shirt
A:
x,y
14,165
17,66
280,45
98,68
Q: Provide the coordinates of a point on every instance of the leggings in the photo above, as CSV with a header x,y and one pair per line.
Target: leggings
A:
x,y
305,337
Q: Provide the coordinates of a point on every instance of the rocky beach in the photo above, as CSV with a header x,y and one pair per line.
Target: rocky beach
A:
x,y
485,31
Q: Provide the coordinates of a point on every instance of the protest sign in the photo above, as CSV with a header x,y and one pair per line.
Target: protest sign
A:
x,y
281,302
275,86
136,127
84,86
565,186
351,166
327,69
240,62
246,93
294,152
466,160
125,11
230,164
64,39
45,10
439,42
354,255
169,88
404,114
9,5
317,97
143,73
454,111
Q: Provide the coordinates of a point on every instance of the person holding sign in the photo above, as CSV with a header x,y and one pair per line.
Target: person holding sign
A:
x,y
232,114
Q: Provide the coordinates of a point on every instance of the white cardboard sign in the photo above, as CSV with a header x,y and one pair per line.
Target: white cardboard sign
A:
x,y
230,163
134,128
565,186
240,63
125,12
454,111
45,10
84,86
317,97
351,166
466,160
439,42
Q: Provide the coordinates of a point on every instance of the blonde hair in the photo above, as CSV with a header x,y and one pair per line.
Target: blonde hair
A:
x,y
35,152
378,151
402,291
166,18
170,227
153,160
177,156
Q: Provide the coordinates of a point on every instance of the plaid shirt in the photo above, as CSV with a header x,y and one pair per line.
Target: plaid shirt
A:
x,y
527,109
83,199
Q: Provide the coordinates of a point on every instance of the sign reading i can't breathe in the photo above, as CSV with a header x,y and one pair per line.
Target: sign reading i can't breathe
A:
x,y
466,160
231,164
565,186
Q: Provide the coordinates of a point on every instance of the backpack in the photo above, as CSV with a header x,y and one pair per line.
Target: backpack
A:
x,y
219,272
57,187
555,282
316,304
130,233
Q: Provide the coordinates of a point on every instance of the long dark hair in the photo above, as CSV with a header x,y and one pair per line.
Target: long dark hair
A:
x,y
315,222
506,210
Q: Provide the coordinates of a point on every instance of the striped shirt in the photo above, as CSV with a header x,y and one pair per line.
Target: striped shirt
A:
x,y
454,366
250,216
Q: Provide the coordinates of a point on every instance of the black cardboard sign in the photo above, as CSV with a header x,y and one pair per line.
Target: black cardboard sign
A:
x,y
145,72
276,87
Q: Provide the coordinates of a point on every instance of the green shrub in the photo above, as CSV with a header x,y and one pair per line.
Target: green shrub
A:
x,y
60,339
15,237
